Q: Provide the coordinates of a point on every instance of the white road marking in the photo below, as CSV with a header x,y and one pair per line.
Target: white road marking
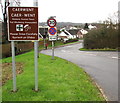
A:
x,y
115,57
63,51
69,46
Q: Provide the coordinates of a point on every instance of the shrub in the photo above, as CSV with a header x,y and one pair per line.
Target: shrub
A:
x,y
72,40
101,38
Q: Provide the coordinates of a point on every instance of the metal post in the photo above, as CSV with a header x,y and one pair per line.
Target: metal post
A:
x,y
52,50
38,48
13,60
44,38
44,43
13,66
36,56
36,65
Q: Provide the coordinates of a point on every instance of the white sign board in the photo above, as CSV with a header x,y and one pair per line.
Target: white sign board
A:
x,y
52,31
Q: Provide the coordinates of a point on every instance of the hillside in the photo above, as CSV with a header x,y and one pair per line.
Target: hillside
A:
x,y
63,24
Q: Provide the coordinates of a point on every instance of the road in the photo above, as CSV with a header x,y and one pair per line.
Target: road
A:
x,y
101,66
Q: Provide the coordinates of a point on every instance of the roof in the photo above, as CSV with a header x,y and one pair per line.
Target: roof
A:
x,y
73,31
66,32
63,34
43,31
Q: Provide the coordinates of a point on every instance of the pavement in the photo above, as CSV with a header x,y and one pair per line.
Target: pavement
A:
x,y
101,66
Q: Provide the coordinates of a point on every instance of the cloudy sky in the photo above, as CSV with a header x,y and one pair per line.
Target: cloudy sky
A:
x,y
79,11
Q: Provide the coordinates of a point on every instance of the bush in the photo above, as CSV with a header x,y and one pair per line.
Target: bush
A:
x,y
101,38
72,40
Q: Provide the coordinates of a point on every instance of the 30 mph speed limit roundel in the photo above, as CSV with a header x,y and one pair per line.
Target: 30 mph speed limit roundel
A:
x,y
51,22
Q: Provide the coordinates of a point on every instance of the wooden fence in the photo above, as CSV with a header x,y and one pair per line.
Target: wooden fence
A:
x,y
19,48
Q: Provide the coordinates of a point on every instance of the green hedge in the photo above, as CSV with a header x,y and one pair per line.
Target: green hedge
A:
x,y
101,38
72,40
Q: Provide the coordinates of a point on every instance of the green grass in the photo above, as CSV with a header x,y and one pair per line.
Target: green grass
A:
x,y
104,49
59,80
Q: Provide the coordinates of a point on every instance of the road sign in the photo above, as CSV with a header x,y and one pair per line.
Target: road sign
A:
x,y
51,22
23,23
52,31
52,38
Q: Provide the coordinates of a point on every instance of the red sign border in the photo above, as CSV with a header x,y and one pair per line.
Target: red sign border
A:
x,y
49,24
52,34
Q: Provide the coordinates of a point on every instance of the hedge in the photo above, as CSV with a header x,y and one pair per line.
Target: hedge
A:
x,y
101,38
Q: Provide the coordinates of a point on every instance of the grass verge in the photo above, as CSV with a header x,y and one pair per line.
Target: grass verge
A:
x,y
105,49
59,80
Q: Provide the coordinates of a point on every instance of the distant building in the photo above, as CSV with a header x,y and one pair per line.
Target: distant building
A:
x,y
81,33
92,27
65,34
84,31
72,27
73,32
43,30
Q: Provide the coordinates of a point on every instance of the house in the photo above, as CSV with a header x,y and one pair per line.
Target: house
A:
x,y
92,27
81,33
66,35
43,31
73,32
72,27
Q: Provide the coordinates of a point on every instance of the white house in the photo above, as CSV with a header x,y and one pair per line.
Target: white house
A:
x,y
84,31
92,27
66,34
72,27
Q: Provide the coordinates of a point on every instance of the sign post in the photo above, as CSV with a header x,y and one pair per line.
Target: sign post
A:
x,y
36,54
52,50
52,37
13,66
23,26
52,33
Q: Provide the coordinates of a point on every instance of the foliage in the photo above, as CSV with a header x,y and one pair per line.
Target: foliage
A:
x,y
72,40
104,49
101,38
86,26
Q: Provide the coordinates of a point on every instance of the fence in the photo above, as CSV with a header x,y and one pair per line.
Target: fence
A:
x,y
19,48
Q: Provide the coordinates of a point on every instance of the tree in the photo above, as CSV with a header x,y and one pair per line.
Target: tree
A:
x,y
86,26
5,20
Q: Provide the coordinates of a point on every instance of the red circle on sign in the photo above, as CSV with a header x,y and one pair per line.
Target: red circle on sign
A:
x,y
51,22
52,31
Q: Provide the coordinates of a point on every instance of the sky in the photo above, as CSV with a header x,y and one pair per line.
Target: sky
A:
x,y
77,11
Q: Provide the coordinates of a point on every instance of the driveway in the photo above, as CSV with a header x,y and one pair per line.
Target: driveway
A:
x,y
101,66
